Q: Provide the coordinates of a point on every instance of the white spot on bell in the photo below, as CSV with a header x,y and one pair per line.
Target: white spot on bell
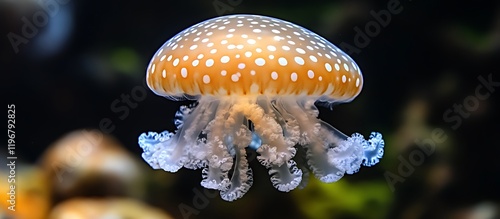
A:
x,y
224,59
195,63
206,79
209,62
274,75
313,58
301,51
260,61
328,67
294,77
241,65
235,78
310,74
184,73
282,61
278,38
299,60
159,52
337,67
346,67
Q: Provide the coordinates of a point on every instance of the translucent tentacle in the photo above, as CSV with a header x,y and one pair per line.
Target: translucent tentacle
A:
x,y
330,153
274,149
374,150
285,177
214,134
160,151
289,124
307,123
196,148
152,144
218,155
173,151
242,177
215,176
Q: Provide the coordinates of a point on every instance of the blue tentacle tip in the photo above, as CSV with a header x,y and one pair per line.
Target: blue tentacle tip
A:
x,y
374,150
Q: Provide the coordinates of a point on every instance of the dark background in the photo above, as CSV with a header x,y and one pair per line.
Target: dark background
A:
x,y
427,59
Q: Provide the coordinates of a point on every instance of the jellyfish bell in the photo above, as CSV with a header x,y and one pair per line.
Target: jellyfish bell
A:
x,y
255,80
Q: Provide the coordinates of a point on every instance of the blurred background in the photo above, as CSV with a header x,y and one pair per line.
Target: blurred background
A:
x,y
75,72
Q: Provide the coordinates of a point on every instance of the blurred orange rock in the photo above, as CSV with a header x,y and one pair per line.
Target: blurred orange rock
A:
x,y
106,208
90,163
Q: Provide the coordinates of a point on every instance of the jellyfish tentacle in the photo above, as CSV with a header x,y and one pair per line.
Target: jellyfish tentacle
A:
x,y
300,159
242,176
289,124
196,147
288,176
331,153
317,140
214,178
218,155
308,124
215,175
350,152
285,177
161,152
274,149
374,150
150,143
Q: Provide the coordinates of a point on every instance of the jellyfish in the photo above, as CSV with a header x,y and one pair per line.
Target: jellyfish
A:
x,y
255,80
